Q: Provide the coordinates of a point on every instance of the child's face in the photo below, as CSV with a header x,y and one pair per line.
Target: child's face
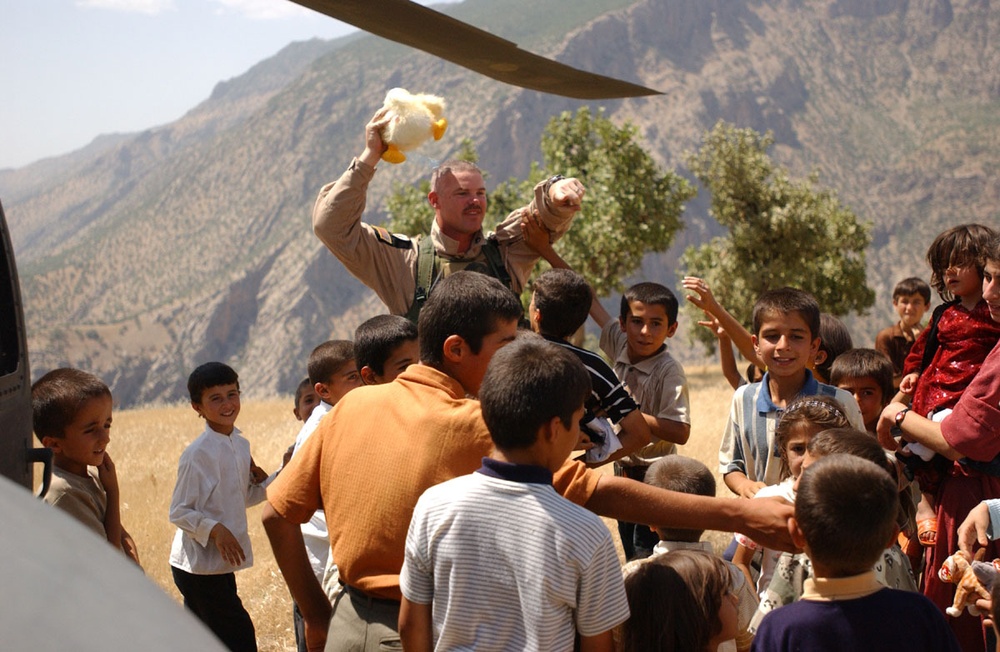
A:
x,y
343,380
219,407
910,308
795,447
407,353
807,460
963,281
729,618
85,438
785,344
991,288
306,403
646,328
868,394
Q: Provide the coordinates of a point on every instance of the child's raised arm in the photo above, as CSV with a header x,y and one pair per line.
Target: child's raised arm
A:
x,y
726,358
538,238
704,299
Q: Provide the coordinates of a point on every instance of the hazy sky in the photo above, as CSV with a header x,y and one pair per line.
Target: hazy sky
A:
x,y
73,69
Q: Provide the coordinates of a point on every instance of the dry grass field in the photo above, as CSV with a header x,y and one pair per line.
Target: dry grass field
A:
x,y
146,444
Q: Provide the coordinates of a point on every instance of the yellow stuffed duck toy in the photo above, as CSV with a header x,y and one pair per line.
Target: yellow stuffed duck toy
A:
x,y
412,120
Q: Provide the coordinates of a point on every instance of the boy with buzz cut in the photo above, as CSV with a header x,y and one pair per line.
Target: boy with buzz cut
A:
x,y
214,488
911,298
455,593
72,418
384,346
845,517
688,475
559,305
786,324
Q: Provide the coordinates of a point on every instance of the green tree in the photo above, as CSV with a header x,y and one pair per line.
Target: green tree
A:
x,y
782,232
632,206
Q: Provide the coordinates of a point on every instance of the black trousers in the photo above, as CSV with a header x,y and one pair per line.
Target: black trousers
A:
x,y
213,599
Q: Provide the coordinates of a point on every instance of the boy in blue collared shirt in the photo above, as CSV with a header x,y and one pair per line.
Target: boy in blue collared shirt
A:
x,y
785,335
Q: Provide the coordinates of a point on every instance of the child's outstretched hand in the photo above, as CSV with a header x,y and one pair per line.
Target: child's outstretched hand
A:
x,y
228,546
702,296
257,474
713,325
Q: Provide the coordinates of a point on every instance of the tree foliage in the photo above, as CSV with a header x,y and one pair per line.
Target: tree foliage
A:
x,y
632,206
782,232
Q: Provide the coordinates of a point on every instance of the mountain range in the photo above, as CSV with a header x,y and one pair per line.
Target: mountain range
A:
x,y
145,254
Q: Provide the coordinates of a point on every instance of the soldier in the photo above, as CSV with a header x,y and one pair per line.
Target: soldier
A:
x,y
396,267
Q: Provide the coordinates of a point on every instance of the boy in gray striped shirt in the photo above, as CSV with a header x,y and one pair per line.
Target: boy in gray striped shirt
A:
x,y
497,560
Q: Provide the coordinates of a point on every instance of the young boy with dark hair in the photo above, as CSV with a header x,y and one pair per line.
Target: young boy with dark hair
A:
x,y
636,344
214,488
688,475
911,298
867,375
786,324
845,517
559,305
384,346
72,417
306,399
455,594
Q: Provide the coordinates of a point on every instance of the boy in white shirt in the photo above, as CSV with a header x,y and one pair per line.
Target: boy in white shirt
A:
x,y
214,487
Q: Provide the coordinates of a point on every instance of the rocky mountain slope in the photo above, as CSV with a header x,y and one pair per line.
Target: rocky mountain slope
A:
x,y
145,255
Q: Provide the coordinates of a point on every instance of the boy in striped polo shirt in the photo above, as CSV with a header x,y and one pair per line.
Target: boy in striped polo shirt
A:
x,y
497,560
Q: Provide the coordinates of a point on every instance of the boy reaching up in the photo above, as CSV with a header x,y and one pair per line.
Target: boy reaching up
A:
x,y
455,593
72,417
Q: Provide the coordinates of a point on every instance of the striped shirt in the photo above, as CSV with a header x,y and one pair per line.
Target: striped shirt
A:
x,y
748,444
508,564
606,392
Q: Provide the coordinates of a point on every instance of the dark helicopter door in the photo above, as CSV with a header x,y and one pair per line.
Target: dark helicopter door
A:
x,y
16,452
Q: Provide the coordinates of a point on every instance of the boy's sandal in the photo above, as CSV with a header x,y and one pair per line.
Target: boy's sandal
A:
x,y
927,531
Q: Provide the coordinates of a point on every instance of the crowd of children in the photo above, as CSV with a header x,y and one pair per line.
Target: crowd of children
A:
x,y
443,506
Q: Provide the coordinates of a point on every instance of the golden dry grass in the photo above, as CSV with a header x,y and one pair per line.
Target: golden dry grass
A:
x,y
146,444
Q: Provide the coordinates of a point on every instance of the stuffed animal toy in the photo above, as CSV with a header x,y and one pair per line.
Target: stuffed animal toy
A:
x,y
957,569
412,120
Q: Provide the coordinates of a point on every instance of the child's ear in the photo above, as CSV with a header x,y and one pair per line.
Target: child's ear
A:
x,y
454,348
368,376
754,340
295,411
322,391
197,408
820,357
672,329
621,323
53,443
798,538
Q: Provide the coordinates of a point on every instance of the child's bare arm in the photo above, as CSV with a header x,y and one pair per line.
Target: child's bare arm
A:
x,y
635,434
742,559
704,299
726,358
668,429
416,629
741,485
129,548
537,237
602,642
108,476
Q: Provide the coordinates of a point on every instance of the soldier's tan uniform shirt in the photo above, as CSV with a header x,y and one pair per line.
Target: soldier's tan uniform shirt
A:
x,y
387,263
